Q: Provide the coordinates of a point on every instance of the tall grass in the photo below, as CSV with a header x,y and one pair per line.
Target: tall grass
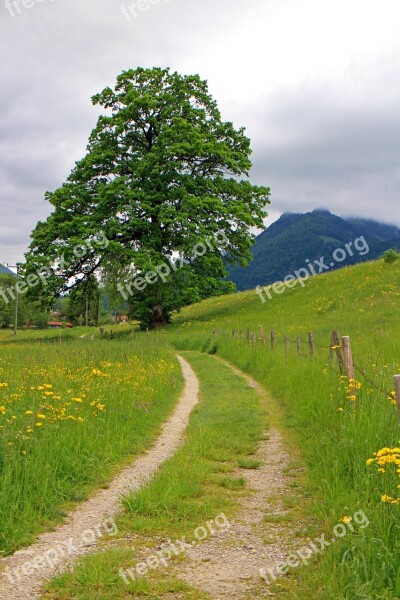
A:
x,y
69,415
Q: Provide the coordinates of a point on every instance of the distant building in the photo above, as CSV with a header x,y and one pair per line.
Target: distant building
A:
x,y
58,324
123,319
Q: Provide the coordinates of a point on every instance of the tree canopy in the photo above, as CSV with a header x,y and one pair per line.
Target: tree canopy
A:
x,y
162,173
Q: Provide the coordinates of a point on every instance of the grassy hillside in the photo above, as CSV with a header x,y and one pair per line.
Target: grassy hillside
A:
x,y
337,432
361,301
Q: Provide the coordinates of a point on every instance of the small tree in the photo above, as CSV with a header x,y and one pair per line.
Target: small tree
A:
x,y
390,256
162,172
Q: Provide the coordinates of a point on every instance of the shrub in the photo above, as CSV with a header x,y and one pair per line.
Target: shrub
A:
x,y
390,256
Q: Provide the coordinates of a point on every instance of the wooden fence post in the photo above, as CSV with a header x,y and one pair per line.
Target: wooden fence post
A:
x,y
396,379
348,357
262,335
285,341
348,361
248,335
273,340
254,339
311,343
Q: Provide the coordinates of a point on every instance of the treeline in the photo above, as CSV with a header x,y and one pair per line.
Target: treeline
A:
x,y
30,313
94,305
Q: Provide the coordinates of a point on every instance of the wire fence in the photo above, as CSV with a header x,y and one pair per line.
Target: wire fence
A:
x,y
338,345
377,388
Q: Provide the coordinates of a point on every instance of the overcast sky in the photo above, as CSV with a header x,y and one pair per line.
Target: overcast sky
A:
x,y
316,83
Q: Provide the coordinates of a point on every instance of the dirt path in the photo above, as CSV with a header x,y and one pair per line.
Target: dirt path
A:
x,y
228,565
23,573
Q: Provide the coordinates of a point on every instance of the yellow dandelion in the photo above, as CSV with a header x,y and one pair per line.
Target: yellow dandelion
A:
x,y
346,520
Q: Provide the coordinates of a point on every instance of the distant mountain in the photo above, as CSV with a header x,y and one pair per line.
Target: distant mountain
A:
x,y
380,231
295,238
5,270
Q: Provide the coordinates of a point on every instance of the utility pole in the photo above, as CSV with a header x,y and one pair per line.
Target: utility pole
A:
x,y
87,309
16,298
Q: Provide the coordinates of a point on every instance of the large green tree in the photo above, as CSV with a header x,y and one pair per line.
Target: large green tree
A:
x,y
162,173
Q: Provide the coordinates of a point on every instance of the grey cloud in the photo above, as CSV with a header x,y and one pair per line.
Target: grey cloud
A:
x,y
325,151
332,143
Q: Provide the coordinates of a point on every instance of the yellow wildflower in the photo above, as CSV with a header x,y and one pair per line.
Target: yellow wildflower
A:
x,y
346,520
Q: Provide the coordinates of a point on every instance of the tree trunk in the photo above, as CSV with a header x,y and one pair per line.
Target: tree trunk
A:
x,y
157,318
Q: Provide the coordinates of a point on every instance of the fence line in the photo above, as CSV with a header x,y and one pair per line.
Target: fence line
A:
x,y
339,345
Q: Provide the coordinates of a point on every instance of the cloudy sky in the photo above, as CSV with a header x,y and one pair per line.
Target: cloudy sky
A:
x,y
316,83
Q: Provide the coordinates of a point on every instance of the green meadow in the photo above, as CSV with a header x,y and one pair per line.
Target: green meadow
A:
x,y
71,413
330,431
